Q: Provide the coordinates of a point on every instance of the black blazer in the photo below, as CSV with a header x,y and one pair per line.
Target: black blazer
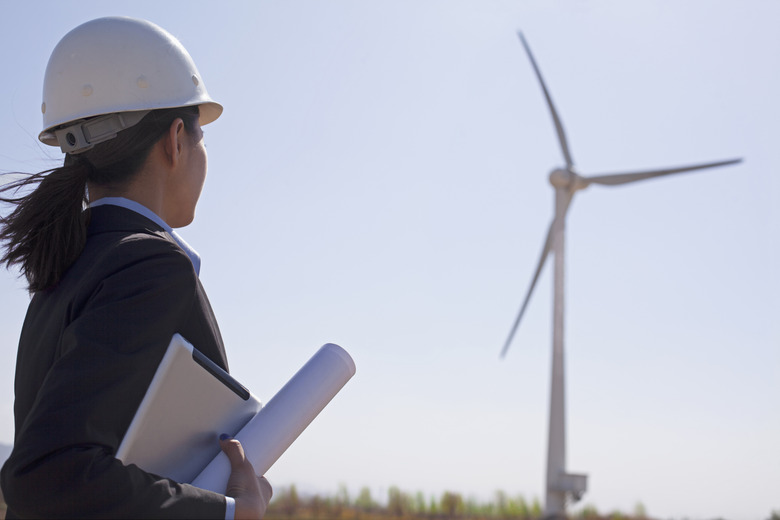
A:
x,y
88,350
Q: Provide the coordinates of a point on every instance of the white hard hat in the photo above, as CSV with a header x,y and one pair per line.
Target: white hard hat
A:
x,y
121,66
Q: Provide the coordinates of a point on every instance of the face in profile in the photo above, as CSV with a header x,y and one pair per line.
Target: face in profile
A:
x,y
189,185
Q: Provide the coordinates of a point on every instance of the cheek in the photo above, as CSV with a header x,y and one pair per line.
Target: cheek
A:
x,y
205,167
199,173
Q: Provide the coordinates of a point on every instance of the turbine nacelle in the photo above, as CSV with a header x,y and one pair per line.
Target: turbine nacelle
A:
x,y
567,179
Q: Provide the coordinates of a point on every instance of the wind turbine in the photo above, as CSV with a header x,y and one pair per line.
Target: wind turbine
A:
x,y
566,181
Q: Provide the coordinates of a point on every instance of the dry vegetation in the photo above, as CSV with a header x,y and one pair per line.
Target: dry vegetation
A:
x,y
288,504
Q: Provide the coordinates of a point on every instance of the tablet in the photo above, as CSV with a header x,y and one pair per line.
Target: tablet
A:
x,y
188,404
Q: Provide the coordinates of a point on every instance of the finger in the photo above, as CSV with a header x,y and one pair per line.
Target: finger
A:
x,y
233,450
265,488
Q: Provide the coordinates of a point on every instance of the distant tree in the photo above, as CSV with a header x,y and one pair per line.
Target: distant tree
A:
x,y
451,504
420,506
288,502
343,494
589,512
502,504
398,502
640,512
473,508
318,506
518,508
433,508
536,509
340,502
364,502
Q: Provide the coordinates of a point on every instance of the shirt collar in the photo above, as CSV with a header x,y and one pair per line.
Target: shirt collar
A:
x,y
151,215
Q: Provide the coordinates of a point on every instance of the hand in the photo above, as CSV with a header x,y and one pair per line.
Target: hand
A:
x,y
252,493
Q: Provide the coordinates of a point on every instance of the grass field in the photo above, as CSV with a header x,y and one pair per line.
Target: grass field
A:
x,y
289,504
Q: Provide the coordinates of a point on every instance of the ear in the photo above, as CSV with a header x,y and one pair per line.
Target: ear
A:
x,y
172,142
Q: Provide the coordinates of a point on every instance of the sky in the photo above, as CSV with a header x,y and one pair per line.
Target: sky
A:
x,y
379,180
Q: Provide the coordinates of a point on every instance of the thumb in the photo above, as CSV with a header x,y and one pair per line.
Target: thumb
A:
x,y
233,450
242,483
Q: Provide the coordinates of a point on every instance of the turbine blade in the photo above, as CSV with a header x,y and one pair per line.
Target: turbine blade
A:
x,y
556,120
545,252
624,178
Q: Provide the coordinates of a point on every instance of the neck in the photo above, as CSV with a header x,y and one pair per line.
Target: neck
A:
x,y
146,187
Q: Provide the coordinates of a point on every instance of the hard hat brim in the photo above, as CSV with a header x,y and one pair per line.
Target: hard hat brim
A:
x,y
209,112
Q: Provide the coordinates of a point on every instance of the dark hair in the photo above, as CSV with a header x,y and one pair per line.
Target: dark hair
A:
x,y
46,231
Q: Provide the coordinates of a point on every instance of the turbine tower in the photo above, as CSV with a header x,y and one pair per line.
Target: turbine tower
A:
x,y
559,484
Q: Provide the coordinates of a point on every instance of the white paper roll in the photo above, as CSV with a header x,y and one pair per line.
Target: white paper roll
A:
x,y
267,435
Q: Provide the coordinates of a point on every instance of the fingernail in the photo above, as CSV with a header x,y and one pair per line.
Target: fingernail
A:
x,y
224,437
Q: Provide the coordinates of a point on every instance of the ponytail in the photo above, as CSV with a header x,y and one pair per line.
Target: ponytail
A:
x,y
46,231
47,227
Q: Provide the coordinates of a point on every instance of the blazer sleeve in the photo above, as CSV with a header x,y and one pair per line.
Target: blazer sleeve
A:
x,y
63,461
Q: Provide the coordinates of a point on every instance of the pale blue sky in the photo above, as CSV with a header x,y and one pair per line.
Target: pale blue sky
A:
x,y
379,180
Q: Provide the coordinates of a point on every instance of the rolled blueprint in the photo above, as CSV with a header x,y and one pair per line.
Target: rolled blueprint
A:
x,y
269,433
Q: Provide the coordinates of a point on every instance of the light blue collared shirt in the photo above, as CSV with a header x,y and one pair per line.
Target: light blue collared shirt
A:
x,y
151,215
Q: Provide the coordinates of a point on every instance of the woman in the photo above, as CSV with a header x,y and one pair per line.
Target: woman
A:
x,y
111,280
